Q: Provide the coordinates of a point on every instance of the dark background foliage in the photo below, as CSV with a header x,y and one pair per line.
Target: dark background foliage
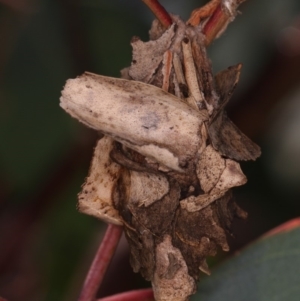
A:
x,y
45,244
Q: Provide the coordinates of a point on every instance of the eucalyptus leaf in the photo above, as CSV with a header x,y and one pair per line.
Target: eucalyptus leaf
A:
x,y
266,270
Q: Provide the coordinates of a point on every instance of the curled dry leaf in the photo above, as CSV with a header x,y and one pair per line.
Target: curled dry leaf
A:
x,y
168,159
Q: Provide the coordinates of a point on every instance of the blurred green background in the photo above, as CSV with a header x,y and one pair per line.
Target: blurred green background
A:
x,y
45,245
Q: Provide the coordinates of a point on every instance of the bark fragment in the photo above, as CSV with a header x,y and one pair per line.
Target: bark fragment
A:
x,y
96,195
148,56
230,141
171,280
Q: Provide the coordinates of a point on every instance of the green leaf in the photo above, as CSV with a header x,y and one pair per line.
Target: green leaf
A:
x,y
267,270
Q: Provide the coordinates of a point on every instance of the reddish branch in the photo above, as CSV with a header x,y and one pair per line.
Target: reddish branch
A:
x,y
136,295
100,263
160,12
215,24
218,17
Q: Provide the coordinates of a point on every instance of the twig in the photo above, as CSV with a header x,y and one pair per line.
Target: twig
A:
x,y
160,12
136,295
100,263
219,13
215,24
223,14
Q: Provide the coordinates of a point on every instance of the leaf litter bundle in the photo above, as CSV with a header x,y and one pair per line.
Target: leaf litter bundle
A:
x,y
167,161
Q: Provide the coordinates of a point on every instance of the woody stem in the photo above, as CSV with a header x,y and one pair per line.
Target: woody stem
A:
x,y
160,12
215,23
100,263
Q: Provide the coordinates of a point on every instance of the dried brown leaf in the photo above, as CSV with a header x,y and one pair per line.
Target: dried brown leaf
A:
x,y
227,139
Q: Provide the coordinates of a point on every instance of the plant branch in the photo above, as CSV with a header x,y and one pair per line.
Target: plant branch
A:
x,y
136,295
215,24
100,263
220,13
160,12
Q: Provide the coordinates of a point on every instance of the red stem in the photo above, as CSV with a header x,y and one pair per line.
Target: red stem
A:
x,y
100,263
136,295
215,24
160,12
